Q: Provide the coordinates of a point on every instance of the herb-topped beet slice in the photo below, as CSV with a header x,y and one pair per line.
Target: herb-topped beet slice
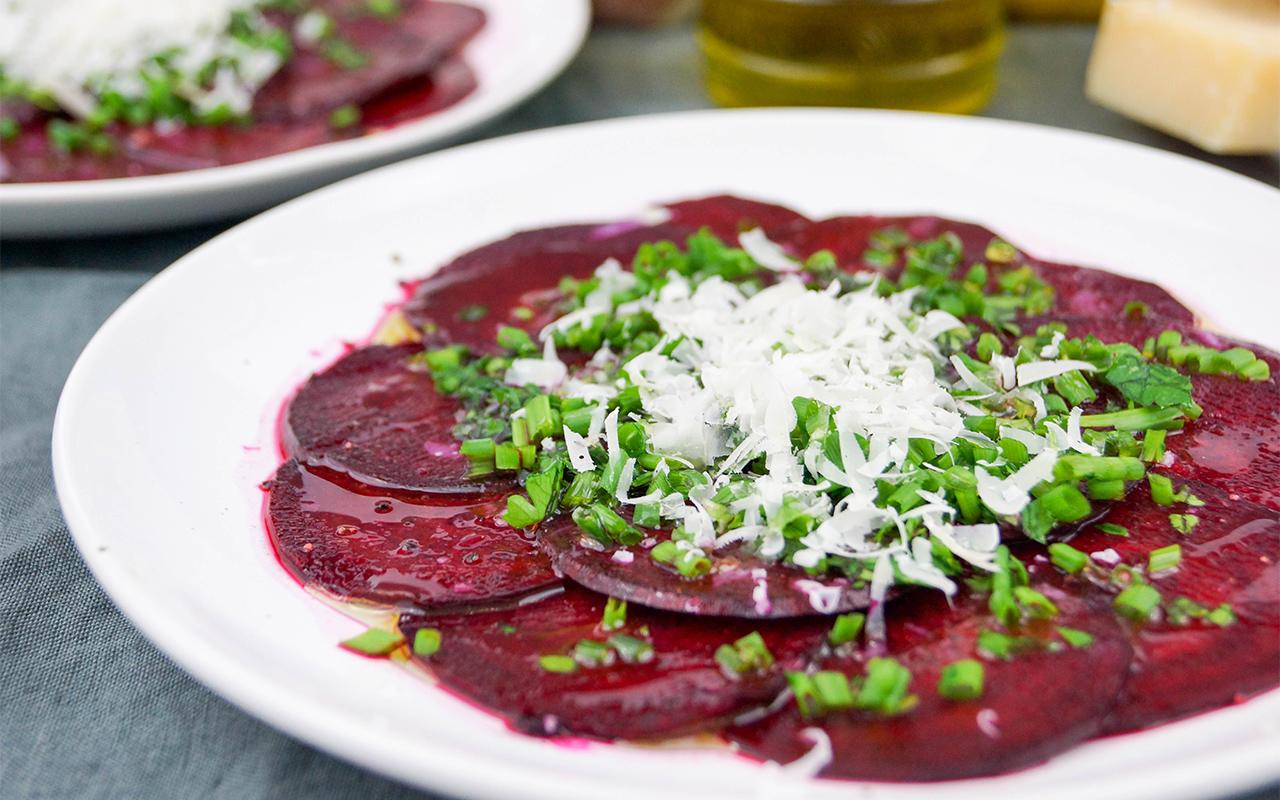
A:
x,y
1233,444
377,416
400,548
365,55
1215,636
734,583
515,281
1077,290
1044,697
552,666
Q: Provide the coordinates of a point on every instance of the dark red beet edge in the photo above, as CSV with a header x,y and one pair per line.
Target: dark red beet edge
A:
x,y
683,690
378,417
730,589
403,549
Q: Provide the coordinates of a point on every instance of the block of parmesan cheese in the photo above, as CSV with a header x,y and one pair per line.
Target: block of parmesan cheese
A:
x,y
1207,71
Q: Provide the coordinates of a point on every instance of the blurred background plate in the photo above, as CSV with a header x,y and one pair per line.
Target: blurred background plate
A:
x,y
522,47
166,425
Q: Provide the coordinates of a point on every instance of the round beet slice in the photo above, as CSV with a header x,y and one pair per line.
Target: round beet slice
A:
x,y
739,584
1046,698
377,416
468,299
399,548
1235,443
384,53
727,216
1077,290
496,660
1186,665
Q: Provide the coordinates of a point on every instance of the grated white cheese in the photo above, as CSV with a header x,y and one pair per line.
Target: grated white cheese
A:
x,y
74,48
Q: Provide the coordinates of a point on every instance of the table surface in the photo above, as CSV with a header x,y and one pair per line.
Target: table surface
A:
x,y
90,709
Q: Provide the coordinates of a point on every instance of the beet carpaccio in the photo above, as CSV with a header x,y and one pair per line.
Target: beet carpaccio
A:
x,y
887,484
265,78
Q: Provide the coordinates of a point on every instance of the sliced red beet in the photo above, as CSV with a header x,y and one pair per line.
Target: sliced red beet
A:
x,y
1042,702
727,216
1235,444
378,417
739,584
410,45
1232,556
1077,290
524,270
400,548
494,659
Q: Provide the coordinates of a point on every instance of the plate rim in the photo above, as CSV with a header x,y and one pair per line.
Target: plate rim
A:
x,y
247,690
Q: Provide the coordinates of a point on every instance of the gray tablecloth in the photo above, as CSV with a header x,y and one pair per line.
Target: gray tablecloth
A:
x,y
90,709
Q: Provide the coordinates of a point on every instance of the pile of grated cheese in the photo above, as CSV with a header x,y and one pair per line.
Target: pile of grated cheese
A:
x,y
76,49
723,398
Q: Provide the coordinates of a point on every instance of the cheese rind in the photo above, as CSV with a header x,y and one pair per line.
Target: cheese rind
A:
x,y
1207,71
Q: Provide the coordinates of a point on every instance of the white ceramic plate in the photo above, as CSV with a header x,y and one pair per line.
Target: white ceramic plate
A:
x,y
166,425
523,46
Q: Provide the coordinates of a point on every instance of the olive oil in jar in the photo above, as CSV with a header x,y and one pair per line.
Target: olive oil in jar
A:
x,y
926,55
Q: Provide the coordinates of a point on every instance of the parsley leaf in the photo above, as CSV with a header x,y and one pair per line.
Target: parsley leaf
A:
x,y
1148,384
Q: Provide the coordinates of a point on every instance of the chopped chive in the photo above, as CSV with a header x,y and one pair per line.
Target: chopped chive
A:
x,y
540,418
1112,529
1075,638
962,680
806,694
1000,252
590,653
520,432
1065,503
995,645
516,339
426,642
1153,446
1036,604
846,628
562,665
664,552
344,117
506,457
1067,558
373,642
477,449
615,614
885,687
1137,602
1161,489
1163,558
729,660
1183,523
691,565
1105,490
472,313
1257,371
832,690
1222,616
1115,468
1134,419
630,649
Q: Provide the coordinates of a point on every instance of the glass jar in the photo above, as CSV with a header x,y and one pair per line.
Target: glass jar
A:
x,y
926,55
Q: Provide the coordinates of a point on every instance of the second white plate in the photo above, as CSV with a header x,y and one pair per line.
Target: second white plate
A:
x,y
166,425
523,46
